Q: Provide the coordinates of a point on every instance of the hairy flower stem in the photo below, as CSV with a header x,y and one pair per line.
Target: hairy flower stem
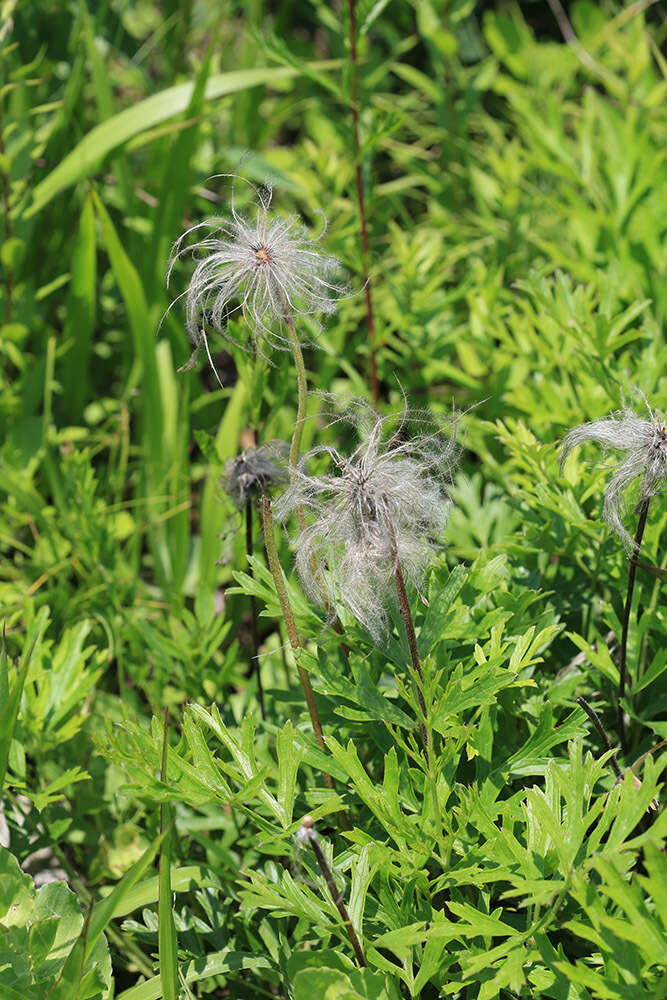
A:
x,y
632,572
295,448
290,624
354,108
595,719
278,626
254,639
302,387
406,615
307,832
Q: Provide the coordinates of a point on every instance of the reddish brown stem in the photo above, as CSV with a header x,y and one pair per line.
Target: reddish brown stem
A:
x,y
308,832
406,615
354,108
595,719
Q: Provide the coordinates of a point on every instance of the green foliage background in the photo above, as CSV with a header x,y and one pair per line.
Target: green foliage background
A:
x,y
516,194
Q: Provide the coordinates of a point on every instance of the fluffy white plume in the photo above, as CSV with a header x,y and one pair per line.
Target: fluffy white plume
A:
x,y
388,501
264,266
255,471
645,444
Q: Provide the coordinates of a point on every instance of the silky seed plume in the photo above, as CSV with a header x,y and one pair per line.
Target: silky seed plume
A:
x,y
645,443
261,265
384,505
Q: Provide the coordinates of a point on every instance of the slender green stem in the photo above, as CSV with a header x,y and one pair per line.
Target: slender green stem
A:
x,y
308,833
406,615
632,572
290,625
254,639
295,448
302,387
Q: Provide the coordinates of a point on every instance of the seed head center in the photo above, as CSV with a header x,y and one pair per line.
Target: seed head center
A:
x,y
262,256
660,439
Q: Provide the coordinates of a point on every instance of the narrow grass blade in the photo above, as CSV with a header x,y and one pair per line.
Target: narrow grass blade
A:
x,y
80,321
109,135
67,987
9,709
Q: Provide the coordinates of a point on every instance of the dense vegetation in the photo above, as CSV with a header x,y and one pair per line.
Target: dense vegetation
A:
x,y
480,838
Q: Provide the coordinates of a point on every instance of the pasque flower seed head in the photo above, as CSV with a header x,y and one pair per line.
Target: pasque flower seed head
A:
x,y
387,503
255,471
262,265
645,443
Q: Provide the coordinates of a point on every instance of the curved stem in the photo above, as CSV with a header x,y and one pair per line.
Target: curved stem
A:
x,y
595,719
406,615
290,624
632,572
254,639
302,387
295,448
308,832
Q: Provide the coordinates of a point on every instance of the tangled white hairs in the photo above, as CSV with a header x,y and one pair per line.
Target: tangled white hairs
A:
x,y
384,505
254,472
264,266
645,444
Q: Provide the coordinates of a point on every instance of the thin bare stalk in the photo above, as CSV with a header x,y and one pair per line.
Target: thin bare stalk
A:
x,y
354,108
308,834
302,387
295,448
595,719
278,626
290,625
254,638
406,615
623,668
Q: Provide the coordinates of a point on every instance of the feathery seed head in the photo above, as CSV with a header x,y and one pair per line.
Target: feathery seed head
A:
x,y
264,266
254,472
387,503
645,444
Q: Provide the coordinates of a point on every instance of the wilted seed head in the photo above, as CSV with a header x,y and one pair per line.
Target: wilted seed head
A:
x,y
254,472
644,441
386,503
264,266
